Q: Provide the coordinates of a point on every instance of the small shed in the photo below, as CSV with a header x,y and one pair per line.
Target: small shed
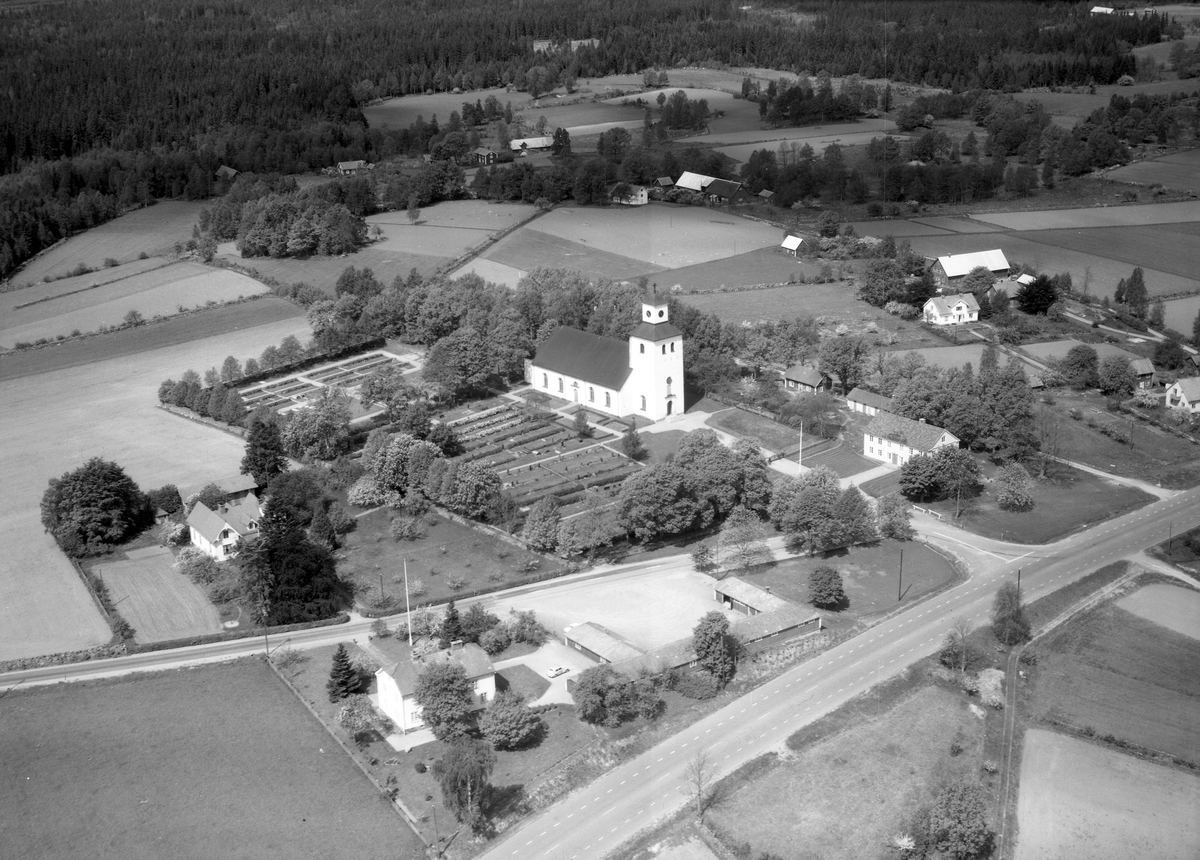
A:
x,y
226,173
351,168
741,596
791,244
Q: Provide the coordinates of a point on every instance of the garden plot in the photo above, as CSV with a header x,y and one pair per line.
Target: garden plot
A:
x,y
1104,216
151,230
667,236
92,310
55,421
157,600
1079,799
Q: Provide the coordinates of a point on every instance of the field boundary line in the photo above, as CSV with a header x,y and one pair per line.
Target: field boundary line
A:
x,y
396,803
91,286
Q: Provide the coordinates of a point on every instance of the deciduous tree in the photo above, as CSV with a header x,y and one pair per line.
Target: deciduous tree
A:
x,y
895,518
716,649
93,507
742,543
1008,616
1014,488
463,772
802,507
444,693
541,524
844,357
958,821
508,723
825,588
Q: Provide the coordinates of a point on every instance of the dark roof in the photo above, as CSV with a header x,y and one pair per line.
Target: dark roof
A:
x,y
723,188
655,331
603,361
805,373
869,398
915,434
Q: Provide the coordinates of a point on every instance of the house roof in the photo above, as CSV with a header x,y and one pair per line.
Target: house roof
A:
x,y
238,516
1189,388
957,265
869,398
471,657
664,182
226,172
915,434
749,594
791,243
945,304
531,143
693,181
229,485
723,188
755,627
766,194
351,165
484,150
655,331
600,360
805,374
1142,366
601,641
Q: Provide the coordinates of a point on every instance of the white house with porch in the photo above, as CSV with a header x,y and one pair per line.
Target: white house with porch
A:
x,y
642,376
951,310
890,438
216,533
397,684
1185,395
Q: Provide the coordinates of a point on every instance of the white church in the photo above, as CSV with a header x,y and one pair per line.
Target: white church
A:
x,y
643,376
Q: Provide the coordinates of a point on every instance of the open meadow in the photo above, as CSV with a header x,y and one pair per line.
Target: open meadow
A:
x,y
158,601
531,248
152,230
741,152
751,269
845,797
55,421
1079,799
1178,171
163,291
1170,606
1103,216
216,761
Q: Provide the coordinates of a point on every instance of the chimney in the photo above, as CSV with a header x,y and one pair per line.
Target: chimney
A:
x,y
922,420
767,589
456,645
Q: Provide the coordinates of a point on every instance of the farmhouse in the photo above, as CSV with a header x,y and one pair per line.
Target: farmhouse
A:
x,y
216,533
397,684
226,172
484,155
868,402
642,376
598,643
741,596
352,168
1185,395
526,144
791,245
949,310
630,195
947,271
726,191
806,379
234,487
890,438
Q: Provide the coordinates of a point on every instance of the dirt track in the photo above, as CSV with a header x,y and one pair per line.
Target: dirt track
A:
x,y
54,422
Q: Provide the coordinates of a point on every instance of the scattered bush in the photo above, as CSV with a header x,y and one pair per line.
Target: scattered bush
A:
x,y
696,685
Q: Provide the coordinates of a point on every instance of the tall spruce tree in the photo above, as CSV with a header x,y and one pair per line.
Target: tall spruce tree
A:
x,y
343,680
451,627
264,457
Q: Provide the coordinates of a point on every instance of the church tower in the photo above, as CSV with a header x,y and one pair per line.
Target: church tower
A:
x,y
655,386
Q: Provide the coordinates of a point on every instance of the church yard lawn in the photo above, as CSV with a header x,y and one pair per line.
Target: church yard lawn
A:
x,y
209,761
869,574
1121,675
749,425
847,795
1080,799
662,445
157,600
151,230
446,550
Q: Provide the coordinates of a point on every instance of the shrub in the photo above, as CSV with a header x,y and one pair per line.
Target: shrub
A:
x,y
197,566
456,581
495,640
417,587
365,493
340,519
404,527
697,685
524,627
380,629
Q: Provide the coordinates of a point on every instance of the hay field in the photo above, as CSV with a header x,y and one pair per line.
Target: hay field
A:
x,y
955,224
1051,259
1179,170
845,797
743,151
667,236
1172,248
902,229
162,292
764,266
152,230
55,421
11,299
476,214
532,249
159,601
1079,799
799,134
1181,313
1103,216
323,272
1171,606
402,111
492,272
213,761
947,357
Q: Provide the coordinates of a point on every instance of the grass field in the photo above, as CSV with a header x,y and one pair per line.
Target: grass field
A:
x,y
1171,248
1180,314
1079,799
151,231
870,575
212,322
164,292
742,151
159,601
323,272
402,112
1105,216
492,272
55,421
1180,171
845,797
1121,675
19,296
529,249
763,266
748,425
1175,608
663,445
947,357
662,235
218,761
771,138
901,228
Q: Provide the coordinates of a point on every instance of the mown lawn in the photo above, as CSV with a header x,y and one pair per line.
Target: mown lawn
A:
x,y
214,761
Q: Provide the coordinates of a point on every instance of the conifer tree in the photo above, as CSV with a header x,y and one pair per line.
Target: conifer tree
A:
x,y
343,680
264,458
451,626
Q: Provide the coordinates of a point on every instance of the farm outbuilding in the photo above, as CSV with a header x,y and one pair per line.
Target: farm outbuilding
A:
x,y
726,191
226,173
868,402
484,155
598,643
741,596
791,244
352,168
526,144
949,270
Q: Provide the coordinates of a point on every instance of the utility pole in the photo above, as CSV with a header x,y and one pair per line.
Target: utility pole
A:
x,y
900,581
800,453
1018,583
407,607
1170,535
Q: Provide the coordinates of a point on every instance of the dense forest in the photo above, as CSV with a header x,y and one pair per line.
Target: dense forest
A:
x,y
118,102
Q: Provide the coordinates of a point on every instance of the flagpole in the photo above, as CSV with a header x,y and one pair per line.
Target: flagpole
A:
x,y
407,608
800,453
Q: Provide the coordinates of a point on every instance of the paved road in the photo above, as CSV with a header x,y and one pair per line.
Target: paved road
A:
x,y
595,820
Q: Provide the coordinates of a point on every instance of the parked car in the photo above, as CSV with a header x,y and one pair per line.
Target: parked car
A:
x,y
556,671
